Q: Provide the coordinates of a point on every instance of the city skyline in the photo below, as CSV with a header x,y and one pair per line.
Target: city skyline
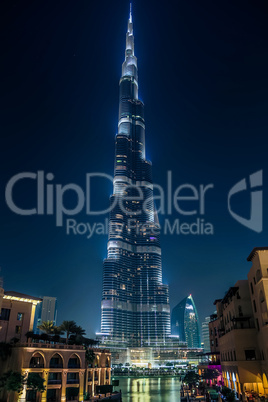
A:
x,y
59,127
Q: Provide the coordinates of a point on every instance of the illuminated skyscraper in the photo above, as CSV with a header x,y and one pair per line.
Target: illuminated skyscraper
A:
x,y
135,302
185,323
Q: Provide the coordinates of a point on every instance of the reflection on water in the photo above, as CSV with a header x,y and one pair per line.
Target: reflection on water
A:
x,y
149,389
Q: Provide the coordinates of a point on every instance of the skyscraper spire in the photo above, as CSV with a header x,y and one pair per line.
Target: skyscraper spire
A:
x,y
129,67
130,12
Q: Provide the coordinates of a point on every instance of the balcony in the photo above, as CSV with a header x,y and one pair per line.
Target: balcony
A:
x,y
56,365
74,366
51,382
36,365
73,381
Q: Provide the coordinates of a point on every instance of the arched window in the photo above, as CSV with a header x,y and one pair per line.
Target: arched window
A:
x,y
74,362
97,360
37,361
56,361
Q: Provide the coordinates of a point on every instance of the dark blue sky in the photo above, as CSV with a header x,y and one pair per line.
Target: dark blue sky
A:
x,y
203,77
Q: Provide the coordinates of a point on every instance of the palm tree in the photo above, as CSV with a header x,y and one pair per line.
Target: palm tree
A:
x,y
90,356
57,331
79,331
29,335
47,327
69,328
90,342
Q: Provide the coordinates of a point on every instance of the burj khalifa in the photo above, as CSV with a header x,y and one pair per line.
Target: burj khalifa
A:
x,y
135,309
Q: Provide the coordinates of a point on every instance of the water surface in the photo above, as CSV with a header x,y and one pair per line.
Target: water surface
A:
x,y
165,389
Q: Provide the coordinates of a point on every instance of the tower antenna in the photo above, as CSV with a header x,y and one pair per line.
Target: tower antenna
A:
x,y
130,12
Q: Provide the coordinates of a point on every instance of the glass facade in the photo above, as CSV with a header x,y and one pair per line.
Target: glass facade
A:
x,y
185,323
135,302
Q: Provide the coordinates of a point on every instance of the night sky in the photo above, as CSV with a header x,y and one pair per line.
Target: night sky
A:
x,y
203,78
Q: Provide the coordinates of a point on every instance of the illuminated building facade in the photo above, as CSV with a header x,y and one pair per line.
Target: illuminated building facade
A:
x,y
135,302
239,331
67,374
185,323
17,315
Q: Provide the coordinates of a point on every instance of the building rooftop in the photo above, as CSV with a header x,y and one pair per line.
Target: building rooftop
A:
x,y
253,252
21,297
231,292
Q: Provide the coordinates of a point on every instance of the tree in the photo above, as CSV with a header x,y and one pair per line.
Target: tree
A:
x,y
90,342
58,331
47,327
35,382
55,338
75,340
210,374
5,350
79,331
29,335
12,381
44,337
228,394
14,340
90,356
69,328
191,378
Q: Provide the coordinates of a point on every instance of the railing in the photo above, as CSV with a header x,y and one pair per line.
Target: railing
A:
x,y
49,346
55,365
37,365
73,381
54,381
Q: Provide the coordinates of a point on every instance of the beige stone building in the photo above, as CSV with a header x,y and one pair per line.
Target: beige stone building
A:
x,y
258,284
239,331
17,315
64,368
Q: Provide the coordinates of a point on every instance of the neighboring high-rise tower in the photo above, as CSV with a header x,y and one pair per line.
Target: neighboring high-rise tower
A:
x,y
46,311
205,334
185,323
135,303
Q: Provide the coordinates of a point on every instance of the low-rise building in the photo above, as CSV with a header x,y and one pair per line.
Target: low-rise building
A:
x,y
258,285
64,368
67,371
17,316
239,331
